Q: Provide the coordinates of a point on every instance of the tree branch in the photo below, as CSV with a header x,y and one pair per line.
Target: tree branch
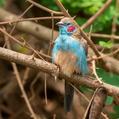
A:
x,y
52,69
41,31
97,35
28,27
44,8
96,15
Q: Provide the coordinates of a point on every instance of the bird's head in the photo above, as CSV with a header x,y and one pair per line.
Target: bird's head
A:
x,y
67,26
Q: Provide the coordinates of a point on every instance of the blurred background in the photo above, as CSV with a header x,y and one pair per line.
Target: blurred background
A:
x,y
12,105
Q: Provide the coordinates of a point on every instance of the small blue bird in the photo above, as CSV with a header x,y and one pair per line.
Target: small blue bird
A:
x,y
69,53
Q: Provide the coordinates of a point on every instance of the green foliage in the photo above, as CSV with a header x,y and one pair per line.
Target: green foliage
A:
x,y
80,20
105,20
2,3
109,100
115,115
88,6
19,48
84,9
104,44
107,77
49,3
112,79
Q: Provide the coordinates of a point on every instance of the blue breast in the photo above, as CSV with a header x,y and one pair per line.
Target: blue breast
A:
x,y
69,44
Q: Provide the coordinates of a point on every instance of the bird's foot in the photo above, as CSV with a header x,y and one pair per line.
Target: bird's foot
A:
x,y
57,72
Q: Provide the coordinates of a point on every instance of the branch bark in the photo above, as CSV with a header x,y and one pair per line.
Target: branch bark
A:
x,y
52,69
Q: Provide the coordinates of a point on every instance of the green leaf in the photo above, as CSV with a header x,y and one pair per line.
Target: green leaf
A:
x,y
115,114
2,3
109,100
104,44
108,77
109,44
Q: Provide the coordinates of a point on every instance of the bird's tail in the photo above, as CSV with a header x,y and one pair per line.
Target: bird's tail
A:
x,y
68,97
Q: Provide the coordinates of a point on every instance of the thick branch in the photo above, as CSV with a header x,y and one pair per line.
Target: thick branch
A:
x,y
97,104
111,64
27,60
52,69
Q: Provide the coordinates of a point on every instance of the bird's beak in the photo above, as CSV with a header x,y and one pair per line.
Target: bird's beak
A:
x,y
59,23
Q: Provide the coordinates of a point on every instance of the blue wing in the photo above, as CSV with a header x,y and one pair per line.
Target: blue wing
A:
x,y
56,48
77,48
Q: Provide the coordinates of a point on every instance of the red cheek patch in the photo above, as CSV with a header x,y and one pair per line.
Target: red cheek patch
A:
x,y
71,29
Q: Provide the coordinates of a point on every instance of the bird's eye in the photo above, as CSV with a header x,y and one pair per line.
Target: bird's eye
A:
x,y
68,23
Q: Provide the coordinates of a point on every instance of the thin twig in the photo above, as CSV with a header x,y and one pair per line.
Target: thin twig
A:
x,y
52,36
54,116
44,8
45,83
32,86
26,75
20,17
24,44
30,19
81,31
104,55
90,101
115,19
28,27
104,36
64,11
45,88
33,115
87,100
26,10
94,72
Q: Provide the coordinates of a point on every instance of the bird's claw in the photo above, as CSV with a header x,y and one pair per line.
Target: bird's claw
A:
x,y
98,81
57,73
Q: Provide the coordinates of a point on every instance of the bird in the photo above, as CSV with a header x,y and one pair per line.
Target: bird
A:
x,y
70,54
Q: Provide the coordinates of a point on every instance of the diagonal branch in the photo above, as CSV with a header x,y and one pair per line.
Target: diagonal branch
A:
x,y
96,15
59,4
19,81
44,8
